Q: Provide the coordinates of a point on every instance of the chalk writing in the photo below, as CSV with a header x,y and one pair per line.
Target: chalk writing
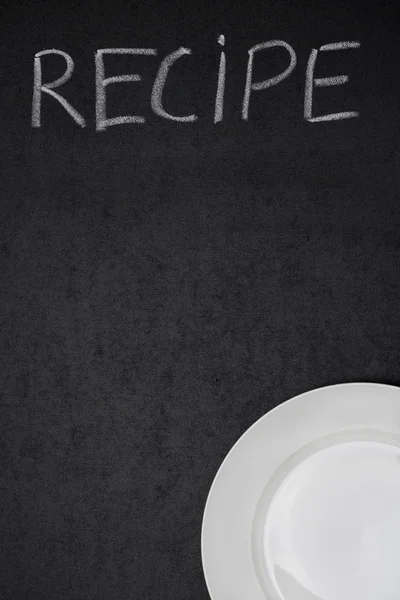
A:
x,y
325,82
39,87
219,99
158,87
101,82
102,122
268,82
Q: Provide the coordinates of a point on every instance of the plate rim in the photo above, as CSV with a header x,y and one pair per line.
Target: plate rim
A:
x,y
248,431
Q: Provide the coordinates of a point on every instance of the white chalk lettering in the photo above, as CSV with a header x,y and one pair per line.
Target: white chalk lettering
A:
x,y
159,83
219,99
101,82
158,95
325,82
250,86
39,87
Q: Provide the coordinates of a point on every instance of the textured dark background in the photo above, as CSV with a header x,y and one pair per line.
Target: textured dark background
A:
x,y
164,285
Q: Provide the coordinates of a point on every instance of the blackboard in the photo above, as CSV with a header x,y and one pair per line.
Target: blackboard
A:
x,y
164,283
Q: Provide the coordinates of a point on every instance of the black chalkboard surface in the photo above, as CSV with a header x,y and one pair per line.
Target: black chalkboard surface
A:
x,y
167,279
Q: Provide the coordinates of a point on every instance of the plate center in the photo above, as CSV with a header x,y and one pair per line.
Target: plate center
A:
x,y
332,531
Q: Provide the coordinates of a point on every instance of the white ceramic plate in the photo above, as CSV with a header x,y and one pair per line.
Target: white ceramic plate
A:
x,y
306,505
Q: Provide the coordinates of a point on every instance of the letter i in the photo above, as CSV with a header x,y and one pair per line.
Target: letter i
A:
x,y
219,99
